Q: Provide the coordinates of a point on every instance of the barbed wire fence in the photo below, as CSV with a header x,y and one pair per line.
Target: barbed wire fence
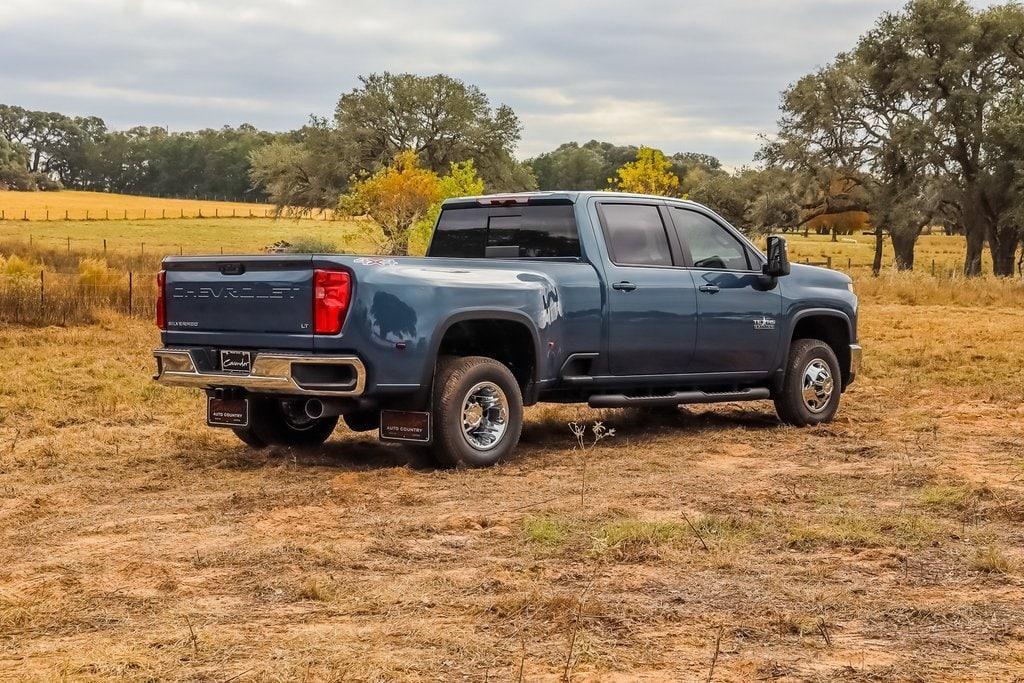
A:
x,y
162,213
53,298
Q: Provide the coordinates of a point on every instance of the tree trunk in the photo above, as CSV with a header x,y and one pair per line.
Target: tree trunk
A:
x,y
1002,245
975,245
903,245
876,265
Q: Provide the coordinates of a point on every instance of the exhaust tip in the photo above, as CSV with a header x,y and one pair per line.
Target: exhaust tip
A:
x,y
314,408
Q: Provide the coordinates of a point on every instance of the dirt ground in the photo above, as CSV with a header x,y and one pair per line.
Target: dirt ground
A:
x,y
709,543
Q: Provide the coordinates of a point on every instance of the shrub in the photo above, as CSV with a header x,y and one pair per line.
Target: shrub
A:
x,y
312,245
95,273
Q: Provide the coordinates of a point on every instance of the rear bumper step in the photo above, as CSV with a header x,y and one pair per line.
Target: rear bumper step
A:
x,y
678,398
271,373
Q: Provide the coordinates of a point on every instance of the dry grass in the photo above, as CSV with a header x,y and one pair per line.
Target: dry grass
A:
x,y
136,543
159,238
79,205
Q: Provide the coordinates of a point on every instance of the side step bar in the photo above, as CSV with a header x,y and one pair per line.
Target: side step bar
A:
x,y
678,398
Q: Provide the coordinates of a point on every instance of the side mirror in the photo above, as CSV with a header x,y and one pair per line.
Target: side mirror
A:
x,y
778,257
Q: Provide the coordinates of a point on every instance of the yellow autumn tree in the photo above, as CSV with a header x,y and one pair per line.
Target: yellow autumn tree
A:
x,y
650,173
462,181
396,197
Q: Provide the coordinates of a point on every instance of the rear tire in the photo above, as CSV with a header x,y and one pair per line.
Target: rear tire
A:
x,y
477,412
812,386
249,438
276,422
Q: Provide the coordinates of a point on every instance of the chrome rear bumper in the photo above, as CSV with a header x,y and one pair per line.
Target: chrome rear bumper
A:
x,y
272,373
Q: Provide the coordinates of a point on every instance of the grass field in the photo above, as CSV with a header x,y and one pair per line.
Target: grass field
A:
x,y
139,544
96,206
173,236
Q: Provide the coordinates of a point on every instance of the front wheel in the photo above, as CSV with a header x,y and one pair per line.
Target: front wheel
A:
x,y
810,392
276,422
477,411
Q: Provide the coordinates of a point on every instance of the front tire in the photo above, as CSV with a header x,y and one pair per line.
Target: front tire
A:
x,y
810,392
277,422
477,412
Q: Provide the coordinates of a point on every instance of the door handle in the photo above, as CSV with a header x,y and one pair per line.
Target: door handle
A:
x,y
710,289
624,286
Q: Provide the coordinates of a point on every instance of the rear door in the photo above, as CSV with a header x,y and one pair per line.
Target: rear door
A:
x,y
739,318
652,307
262,302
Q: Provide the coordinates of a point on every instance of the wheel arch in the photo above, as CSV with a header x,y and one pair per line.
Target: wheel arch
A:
x,y
829,326
485,325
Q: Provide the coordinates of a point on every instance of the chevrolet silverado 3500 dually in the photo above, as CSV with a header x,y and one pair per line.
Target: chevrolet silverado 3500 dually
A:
x,y
612,299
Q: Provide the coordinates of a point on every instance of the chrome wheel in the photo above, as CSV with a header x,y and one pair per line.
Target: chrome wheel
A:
x,y
484,416
818,385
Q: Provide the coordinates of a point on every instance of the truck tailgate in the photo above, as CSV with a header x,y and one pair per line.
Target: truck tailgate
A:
x,y
257,297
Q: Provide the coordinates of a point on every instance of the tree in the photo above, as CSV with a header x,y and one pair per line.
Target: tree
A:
x,y
396,197
303,171
570,167
440,118
860,140
461,181
649,173
961,63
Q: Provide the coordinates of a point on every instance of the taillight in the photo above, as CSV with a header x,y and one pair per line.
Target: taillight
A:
x,y
331,292
161,299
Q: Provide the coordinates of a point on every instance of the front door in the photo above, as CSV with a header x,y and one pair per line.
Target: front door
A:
x,y
739,324
652,304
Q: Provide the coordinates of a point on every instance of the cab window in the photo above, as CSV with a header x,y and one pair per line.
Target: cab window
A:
x,y
635,235
711,246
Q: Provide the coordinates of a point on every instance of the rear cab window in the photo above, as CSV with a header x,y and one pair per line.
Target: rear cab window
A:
x,y
635,234
506,232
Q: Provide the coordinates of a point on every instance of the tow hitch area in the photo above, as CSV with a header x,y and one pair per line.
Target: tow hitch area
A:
x,y
226,409
404,425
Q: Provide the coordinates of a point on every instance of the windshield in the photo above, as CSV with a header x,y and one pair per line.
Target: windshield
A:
x,y
545,231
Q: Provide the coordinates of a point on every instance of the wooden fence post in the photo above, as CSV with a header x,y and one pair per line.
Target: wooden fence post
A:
x,y
65,214
143,248
104,246
126,214
106,214
42,286
143,214
87,214
130,282
69,245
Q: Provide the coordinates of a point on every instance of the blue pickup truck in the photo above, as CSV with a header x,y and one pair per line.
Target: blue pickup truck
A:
x,y
611,299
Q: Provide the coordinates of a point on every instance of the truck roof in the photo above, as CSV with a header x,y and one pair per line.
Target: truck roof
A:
x,y
548,195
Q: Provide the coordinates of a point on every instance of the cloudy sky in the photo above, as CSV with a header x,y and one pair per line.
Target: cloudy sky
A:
x,y
698,76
